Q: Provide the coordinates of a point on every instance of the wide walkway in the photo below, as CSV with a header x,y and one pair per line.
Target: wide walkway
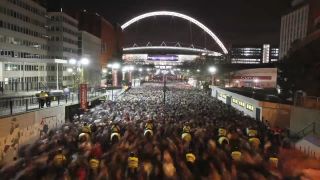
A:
x,y
192,136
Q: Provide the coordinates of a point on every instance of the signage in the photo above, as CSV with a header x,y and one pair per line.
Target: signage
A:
x,y
253,77
163,58
83,96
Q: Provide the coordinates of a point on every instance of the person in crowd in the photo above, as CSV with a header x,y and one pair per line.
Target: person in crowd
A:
x,y
191,136
42,98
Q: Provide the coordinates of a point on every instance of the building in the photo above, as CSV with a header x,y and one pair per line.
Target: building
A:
x,y
110,35
254,54
258,78
63,45
90,47
296,24
23,46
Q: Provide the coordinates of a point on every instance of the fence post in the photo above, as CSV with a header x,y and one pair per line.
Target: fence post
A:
x,y
26,104
58,100
11,106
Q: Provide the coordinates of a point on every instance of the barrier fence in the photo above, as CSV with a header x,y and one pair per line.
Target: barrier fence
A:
x,y
14,105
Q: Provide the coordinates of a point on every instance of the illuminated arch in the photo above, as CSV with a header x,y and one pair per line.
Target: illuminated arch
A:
x,y
179,15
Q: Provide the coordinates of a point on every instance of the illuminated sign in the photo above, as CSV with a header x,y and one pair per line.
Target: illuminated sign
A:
x,y
253,77
83,96
163,58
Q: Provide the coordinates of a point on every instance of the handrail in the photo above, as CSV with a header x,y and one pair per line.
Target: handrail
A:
x,y
303,133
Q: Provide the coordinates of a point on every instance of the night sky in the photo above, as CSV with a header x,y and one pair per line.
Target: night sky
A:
x,y
234,21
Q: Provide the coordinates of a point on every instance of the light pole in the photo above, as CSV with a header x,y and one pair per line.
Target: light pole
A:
x,y
79,68
212,71
59,61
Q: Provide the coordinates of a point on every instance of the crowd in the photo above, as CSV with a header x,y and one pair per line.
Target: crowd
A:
x,y
191,136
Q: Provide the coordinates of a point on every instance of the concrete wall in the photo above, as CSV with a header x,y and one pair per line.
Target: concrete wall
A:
x,y
242,103
22,129
278,115
302,117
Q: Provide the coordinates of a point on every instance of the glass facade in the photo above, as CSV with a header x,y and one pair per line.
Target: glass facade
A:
x,y
254,54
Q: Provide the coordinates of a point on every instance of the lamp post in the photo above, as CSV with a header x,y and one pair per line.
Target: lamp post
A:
x,y
78,65
59,61
212,71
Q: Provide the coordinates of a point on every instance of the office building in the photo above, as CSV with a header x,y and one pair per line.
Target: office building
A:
x,y
110,35
23,45
63,43
254,54
301,20
90,48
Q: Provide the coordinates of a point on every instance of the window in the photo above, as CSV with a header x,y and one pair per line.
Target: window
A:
x,y
250,107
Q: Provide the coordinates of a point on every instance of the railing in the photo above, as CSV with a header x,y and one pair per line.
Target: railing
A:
x,y
308,102
15,86
14,105
309,129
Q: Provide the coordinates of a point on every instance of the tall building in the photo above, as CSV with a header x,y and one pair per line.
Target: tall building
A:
x,y
63,43
301,20
23,45
110,35
90,48
254,54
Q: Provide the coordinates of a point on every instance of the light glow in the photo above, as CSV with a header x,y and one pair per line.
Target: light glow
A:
x,y
84,61
179,15
70,70
73,61
212,70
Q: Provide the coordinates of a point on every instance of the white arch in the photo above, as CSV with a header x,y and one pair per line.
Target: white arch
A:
x,y
175,14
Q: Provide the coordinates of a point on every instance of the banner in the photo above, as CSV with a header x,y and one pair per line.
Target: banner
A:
x,y
83,96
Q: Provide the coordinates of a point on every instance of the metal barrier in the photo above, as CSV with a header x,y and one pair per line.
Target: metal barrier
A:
x,y
14,105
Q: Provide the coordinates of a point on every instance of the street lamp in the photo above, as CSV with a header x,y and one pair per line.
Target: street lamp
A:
x,y
198,70
256,81
104,71
212,71
84,61
73,61
78,64
70,70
